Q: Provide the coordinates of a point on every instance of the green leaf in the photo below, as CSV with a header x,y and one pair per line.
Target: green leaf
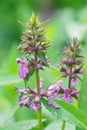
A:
x,y
10,63
67,112
74,113
42,56
57,126
82,103
4,120
57,113
21,125
6,79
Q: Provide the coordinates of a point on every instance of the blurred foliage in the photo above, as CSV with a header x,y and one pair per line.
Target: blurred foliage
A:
x,y
68,19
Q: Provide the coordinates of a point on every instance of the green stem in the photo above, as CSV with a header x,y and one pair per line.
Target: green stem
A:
x,y
38,82
39,112
63,125
70,78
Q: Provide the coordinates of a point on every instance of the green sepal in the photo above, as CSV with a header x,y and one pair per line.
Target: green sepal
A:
x,y
43,58
33,19
31,71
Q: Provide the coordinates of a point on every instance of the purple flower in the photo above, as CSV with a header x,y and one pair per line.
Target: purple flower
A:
x,y
16,89
23,70
29,98
36,104
42,90
22,91
30,51
67,95
39,65
75,93
20,100
53,90
81,71
52,103
40,47
23,102
73,81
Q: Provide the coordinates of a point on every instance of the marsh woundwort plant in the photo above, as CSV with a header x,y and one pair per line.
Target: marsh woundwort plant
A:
x,y
71,67
34,45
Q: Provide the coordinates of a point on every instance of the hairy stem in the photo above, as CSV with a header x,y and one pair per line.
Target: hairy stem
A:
x,y
63,125
38,82
39,112
70,77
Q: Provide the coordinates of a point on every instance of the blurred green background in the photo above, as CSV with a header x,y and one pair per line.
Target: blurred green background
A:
x,y
68,19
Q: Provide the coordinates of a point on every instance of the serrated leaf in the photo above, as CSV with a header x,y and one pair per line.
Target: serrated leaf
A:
x,y
67,112
21,125
7,79
58,113
74,114
82,103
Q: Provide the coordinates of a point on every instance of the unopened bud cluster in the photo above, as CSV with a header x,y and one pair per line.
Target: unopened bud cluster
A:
x,y
34,45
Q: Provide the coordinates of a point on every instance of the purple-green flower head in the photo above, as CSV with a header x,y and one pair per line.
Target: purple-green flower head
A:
x,y
23,70
29,98
33,38
53,90
67,95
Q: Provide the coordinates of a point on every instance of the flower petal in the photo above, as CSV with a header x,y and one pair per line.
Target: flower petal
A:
x,y
53,90
53,103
